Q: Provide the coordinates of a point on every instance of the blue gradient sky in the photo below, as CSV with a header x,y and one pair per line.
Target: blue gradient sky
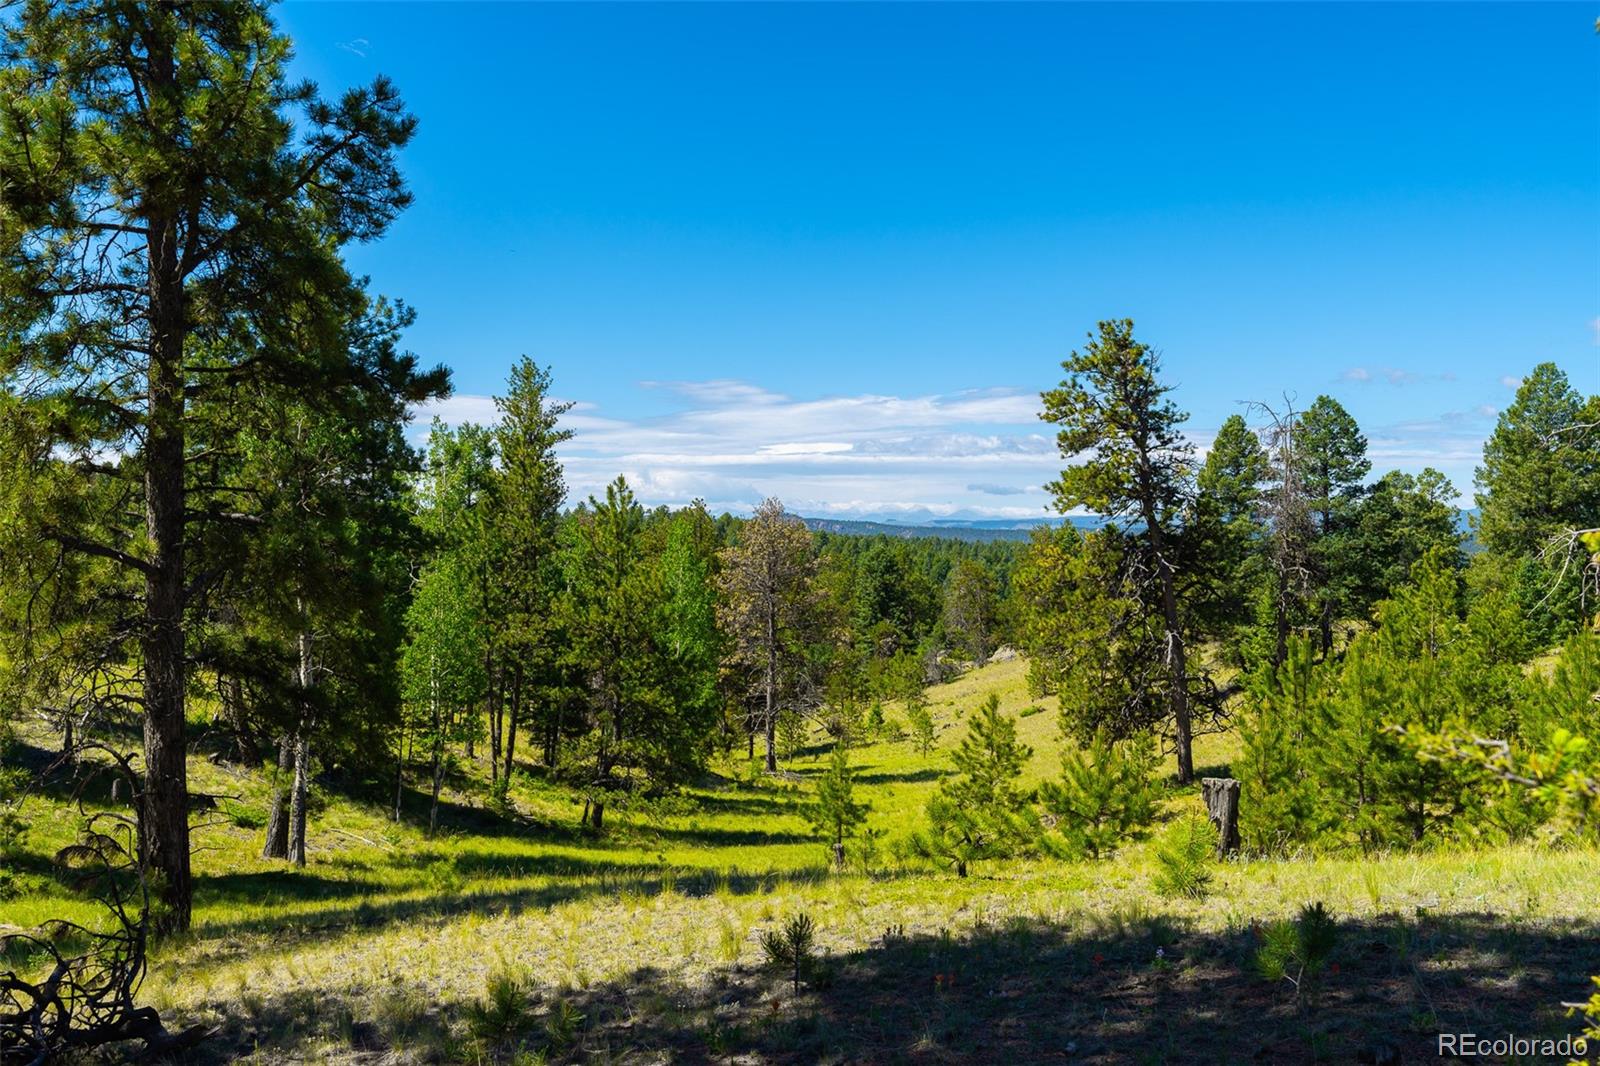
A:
x,y
834,252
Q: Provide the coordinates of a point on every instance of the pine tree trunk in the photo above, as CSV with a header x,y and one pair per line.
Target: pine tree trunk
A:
x,y
164,810
771,723
511,721
399,773
244,740
297,801
1177,657
276,845
438,781
493,700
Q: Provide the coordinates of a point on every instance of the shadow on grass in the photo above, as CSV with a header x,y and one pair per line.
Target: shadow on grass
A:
x,y
901,778
556,879
1142,991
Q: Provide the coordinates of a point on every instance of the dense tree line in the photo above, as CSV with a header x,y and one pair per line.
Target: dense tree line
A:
x,y
1341,619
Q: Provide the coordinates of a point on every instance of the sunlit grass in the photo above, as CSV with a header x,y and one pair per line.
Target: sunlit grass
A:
x,y
387,924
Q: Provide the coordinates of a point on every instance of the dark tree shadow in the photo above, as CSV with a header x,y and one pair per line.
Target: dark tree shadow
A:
x,y
1146,991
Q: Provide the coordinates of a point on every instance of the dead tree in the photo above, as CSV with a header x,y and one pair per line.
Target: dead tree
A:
x,y
83,994
1222,806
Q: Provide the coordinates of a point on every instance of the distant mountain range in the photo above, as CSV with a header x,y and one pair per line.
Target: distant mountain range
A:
x,y
986,529
973,529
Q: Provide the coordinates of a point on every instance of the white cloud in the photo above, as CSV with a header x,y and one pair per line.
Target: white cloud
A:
x,y
1392,375
1511,382
734,443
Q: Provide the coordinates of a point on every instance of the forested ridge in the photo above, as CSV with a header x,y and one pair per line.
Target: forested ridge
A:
x,y
219,546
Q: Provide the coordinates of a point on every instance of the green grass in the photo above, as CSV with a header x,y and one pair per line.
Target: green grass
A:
x,y
652,932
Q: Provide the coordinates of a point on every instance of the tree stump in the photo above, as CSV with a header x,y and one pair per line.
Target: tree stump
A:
x,y
1222,805
838,857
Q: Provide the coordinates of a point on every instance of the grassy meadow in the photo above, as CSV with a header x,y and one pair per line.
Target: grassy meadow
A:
x,y
513,937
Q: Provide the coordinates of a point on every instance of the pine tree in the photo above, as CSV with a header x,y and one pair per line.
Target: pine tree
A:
x,y
1227,537
608,610
527,509
1105,796
1541,466
169,236
836,815
969,610
1331,452
1278,736
979,814
770,610
1115,417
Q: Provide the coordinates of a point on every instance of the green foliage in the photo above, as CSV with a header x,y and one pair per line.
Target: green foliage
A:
x,y
1227,535
1091,636
970,604
563,1024
921,723
1106,795
1541,466
791,949
1276,769
502,1011
1184,855
1298,951
980,814
836,815
13,826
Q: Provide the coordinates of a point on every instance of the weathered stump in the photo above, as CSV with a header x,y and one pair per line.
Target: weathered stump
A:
x,y
1222,805
838,857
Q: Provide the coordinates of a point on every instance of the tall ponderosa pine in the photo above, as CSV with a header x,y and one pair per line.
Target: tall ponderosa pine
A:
x,y
607,608
1539,493
1229,536
531,489
321,571
167,235
1114,415
1332,455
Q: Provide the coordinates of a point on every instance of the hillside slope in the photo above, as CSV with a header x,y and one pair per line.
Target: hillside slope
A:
x,y
380,949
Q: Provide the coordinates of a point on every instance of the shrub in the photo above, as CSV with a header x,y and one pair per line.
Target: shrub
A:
x,y
562,1025
791,949
1183,859
503,1008
1298,951
921,725
1105,795
243,815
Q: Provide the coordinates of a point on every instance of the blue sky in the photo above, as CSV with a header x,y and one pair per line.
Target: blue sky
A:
x,y
833,252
